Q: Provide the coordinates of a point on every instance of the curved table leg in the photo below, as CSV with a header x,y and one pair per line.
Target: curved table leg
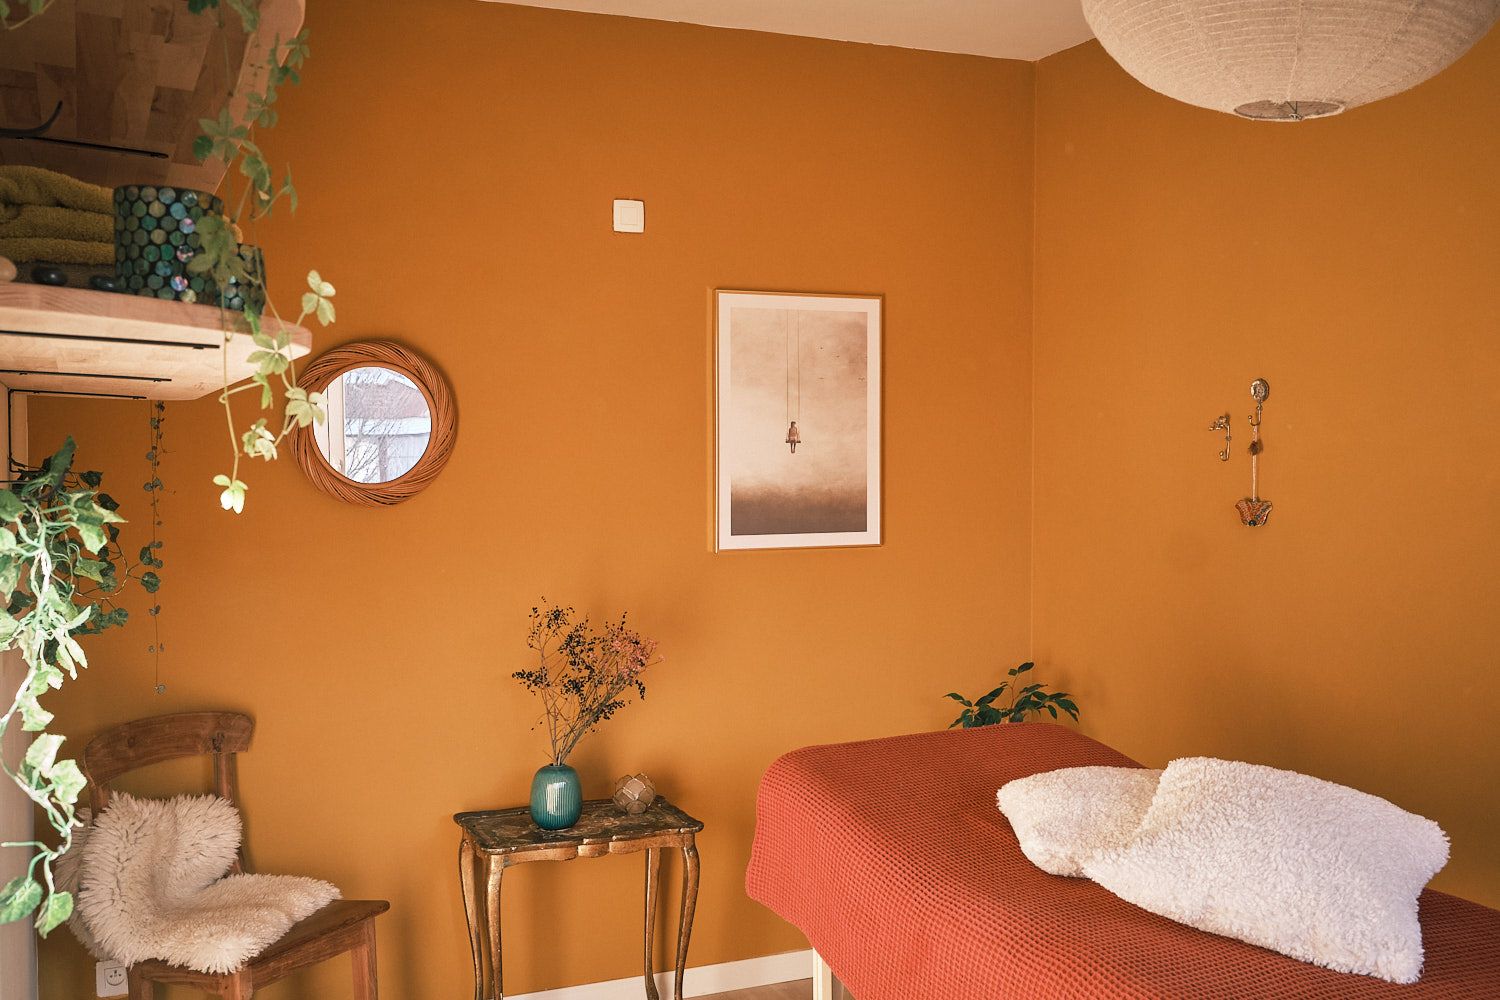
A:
x,y
466,861
653,878
494,868
689,904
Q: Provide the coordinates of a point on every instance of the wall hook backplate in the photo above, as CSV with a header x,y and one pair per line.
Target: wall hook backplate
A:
x,y
1253,510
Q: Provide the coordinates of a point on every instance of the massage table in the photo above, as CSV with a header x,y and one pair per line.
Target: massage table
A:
x,y
892,858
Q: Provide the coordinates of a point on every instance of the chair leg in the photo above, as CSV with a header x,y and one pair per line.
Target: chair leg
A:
x,y
139,986
366,986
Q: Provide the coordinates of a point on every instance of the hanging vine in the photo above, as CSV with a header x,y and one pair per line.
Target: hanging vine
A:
x,y
234,142
61,564
151,551
60,560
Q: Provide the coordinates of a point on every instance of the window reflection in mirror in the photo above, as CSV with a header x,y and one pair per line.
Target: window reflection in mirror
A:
x,y
378,425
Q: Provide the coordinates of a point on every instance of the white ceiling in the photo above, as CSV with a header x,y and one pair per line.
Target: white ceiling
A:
x,y
1009,29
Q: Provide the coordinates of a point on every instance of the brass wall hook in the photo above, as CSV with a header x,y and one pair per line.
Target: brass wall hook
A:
x,y
1222,424
1254,511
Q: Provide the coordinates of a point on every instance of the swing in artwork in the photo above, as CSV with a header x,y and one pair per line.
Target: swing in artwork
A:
x,y
797,420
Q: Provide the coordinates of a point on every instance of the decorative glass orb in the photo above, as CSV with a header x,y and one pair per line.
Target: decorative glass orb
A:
x,y
634,793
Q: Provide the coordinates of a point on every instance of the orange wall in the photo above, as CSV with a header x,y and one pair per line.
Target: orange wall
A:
x,y
456,163
1352,262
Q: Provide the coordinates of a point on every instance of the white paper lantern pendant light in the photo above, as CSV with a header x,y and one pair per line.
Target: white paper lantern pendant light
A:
x,y
1285,60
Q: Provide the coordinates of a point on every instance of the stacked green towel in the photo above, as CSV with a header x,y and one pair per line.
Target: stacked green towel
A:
x,y
49,216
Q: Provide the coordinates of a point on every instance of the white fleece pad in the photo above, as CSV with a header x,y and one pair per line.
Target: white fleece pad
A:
x,y
1302,866
65,875
152,885
1064,817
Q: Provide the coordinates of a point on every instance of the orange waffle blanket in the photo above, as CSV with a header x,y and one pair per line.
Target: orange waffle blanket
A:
x,y
891,857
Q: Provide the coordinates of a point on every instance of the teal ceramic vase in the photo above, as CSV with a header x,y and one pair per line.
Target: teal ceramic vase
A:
x,y
556,797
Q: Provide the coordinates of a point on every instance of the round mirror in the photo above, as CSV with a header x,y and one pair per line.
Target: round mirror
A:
x,y
390,423
378,425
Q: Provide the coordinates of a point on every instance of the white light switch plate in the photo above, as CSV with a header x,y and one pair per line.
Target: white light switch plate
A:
x,y
109,979
630,216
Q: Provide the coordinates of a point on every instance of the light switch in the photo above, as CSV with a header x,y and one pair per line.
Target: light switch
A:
x,y
630,216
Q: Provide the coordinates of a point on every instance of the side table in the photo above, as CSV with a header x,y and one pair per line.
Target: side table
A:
x,y
494,840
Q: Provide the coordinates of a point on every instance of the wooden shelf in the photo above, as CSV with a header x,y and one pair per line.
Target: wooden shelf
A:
x,y
84,342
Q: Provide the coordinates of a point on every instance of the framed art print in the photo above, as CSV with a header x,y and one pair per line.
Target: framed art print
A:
x,y
797,420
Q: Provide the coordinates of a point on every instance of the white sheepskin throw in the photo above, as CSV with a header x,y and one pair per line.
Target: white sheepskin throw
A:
x,y
1314,870
1065,817
65,873
152,886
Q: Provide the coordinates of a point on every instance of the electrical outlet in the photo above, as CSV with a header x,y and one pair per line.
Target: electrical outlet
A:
x,y
109,979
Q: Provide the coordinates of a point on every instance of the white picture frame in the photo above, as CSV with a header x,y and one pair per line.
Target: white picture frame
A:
x,y
801,365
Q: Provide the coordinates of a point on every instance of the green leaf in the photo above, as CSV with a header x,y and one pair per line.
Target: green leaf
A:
x,y
34,718
1024,667
11,507
19,897
58,909
93,535
150,582
67,781
42,753
987,699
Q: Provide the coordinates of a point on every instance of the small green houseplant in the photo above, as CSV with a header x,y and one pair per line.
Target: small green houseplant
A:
x,y
1024,700
583,677
60,567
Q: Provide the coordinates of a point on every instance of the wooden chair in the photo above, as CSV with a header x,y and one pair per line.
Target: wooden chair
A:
x,y
345,925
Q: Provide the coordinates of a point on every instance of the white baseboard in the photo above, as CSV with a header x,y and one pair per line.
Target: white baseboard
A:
x,y
702,980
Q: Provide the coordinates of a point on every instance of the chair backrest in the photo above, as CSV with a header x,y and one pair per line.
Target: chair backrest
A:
x,y
144,742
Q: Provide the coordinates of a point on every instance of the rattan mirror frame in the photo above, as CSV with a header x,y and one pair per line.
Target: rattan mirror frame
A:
x,y
319,375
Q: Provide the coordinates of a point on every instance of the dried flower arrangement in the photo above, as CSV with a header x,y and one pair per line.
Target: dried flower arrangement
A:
x,y
583,676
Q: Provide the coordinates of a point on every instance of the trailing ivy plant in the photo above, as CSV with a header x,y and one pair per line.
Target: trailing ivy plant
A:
x,y
234,142
1026,700
61,565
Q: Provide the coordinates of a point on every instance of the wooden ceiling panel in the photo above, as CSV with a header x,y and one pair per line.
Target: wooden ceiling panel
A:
x,y
134,76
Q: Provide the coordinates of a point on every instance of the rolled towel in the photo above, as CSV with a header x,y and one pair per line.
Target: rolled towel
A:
x,y
51,221
36,186
48,216
51,250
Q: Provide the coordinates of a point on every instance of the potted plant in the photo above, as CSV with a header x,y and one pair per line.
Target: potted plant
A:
x,y
1026,700
583,677
60,567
